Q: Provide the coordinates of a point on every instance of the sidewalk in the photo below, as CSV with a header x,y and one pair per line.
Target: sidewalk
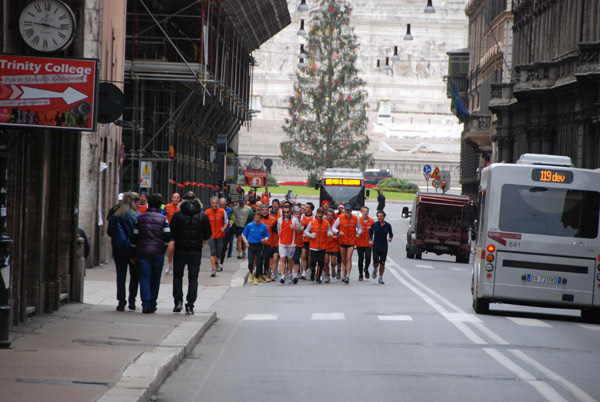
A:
x,y
89,351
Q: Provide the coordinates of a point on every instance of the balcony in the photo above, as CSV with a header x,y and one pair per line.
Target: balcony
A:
x,y
477,132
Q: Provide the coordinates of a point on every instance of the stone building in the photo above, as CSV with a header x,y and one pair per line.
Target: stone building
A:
x,y
543,91
410,118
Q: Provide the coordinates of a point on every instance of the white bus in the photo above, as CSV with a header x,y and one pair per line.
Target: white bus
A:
x,y
537,237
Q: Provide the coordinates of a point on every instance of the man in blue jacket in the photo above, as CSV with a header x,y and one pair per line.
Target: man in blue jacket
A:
x,y
380,234
255,234
151,236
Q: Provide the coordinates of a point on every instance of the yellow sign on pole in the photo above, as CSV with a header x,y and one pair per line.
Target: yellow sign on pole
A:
x,y
145,174
436,173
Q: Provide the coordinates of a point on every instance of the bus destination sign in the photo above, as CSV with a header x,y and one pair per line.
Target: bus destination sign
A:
x,y
343,182
552,176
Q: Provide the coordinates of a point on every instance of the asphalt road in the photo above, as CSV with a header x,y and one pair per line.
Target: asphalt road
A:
x,y
416,338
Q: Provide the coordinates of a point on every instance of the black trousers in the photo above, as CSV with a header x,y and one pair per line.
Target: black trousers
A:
x,y
317,257
255,255
364,256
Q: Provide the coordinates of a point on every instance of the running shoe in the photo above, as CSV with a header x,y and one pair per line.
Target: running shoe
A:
x,y
220,268
326,279
189,310
309,274
338,275
295,280
374,273
367,273
282,280
178,307
267,279
290,278
250,277
260,278
168,268
213,274
346,280
360,278
256,281
381,282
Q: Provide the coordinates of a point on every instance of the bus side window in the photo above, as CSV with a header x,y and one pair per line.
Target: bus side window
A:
x,y
481,219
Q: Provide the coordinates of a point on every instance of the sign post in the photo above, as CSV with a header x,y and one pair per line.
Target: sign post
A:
x,y
427,174
145,174
44,92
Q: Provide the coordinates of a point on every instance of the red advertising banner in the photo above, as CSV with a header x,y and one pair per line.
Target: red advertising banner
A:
x,y
255,178
48,92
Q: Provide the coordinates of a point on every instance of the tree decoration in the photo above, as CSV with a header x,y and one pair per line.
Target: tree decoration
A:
x,y
330,99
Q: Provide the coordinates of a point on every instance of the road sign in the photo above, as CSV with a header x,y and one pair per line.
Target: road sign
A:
x,y
145,174
436,173
427,170
437,183
427,176
48,92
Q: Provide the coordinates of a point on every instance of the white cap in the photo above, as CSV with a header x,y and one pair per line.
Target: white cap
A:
x,y
121,195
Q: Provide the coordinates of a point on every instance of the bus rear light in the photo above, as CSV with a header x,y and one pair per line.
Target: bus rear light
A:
x,y
489,257
491,248
489,275
489,267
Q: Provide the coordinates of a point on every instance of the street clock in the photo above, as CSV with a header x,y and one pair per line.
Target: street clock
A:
x,y
47,25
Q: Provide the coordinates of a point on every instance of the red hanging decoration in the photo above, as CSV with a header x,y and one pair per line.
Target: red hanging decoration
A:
x,y
331,9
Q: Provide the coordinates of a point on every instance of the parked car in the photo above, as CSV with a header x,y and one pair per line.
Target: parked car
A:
x,y
373,176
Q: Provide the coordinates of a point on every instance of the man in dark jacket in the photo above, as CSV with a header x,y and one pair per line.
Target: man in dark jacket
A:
x,y
151,236
190,227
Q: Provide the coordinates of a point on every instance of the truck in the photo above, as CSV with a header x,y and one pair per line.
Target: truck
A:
x,y
342,186
436,226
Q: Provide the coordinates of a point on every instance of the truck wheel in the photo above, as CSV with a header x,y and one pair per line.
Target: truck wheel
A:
x,y
462,257
590,315
480,305
419,255
410,256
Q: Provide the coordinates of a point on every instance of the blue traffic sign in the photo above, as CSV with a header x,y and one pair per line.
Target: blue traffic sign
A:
x,y
426,169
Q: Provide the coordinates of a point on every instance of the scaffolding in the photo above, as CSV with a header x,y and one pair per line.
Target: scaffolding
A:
x,y
188,79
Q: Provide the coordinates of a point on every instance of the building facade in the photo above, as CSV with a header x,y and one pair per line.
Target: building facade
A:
x,y
541,94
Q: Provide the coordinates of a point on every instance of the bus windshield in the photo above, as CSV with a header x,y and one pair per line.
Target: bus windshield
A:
x,y
549,211
352,195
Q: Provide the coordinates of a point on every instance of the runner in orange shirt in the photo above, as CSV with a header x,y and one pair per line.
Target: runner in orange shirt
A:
x,y
363,246
317,231
333,248
348,230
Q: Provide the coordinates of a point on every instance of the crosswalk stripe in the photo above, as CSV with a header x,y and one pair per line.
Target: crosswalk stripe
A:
x,y
529,322
328,316
424,266
261,317
592,327
394,318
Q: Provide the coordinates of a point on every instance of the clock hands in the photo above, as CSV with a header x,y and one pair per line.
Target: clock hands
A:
x,y
46,25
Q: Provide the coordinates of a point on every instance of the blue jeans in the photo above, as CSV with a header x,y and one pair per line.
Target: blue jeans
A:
x,y
192,259
150,266
121,264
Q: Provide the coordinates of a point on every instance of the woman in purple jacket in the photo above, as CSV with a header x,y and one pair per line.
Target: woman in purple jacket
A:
x,y
151,236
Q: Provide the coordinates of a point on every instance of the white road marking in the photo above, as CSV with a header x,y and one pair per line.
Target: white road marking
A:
x,y
394,318
459,269
460,320
529,322
574,389
261,317
544,389
328,316
461,317
592,327
424,266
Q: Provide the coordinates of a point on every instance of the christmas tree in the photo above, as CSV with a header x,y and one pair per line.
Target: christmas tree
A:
x,y
327,118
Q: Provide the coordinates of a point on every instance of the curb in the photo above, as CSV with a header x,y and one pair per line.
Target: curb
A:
x,y
142,378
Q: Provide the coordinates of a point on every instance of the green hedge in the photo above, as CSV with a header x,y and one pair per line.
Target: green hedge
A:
x,y
397,184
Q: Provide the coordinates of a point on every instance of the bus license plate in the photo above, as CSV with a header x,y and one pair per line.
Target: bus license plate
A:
x,y
544,279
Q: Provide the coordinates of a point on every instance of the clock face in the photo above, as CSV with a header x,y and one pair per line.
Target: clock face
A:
x,y
47,25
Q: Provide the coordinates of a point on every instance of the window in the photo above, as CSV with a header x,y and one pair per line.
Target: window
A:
x,y
549,211
384,114
256,106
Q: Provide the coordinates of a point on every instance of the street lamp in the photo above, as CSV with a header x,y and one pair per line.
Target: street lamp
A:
x,y
302,55
387,64
429,9
301,31
378,66
303,6
395,57
408,35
